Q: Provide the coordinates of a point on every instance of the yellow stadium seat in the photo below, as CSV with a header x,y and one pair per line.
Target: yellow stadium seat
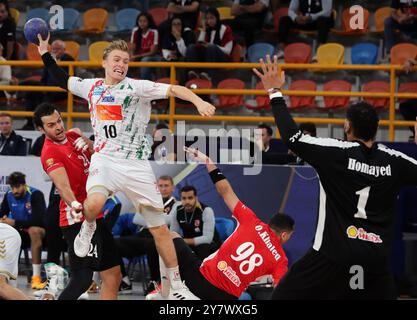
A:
x,y
331,53
225,13
15,14
72,48
95,51
95,20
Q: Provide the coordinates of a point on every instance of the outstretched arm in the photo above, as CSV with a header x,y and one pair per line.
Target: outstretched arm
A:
x,y
203,107
222,185
59,76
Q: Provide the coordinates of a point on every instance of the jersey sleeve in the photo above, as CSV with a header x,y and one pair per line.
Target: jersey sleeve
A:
x,y
151,90
242,213
280,270
408,166
51,161
80,87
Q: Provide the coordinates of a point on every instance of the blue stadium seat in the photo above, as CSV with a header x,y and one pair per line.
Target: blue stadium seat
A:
x,y
225,227
38,13
71,17
126,19
364,53
259,50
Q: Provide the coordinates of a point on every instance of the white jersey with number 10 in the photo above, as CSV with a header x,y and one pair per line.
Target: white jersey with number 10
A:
x,y
119,114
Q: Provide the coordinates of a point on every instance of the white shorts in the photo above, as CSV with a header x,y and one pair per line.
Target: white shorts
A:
x,y
10,243
135,178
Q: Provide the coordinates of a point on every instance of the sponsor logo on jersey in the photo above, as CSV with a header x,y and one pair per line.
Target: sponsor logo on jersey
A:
x,y
50,162
108,99
98,91
375,171
361,234
109,112
229,273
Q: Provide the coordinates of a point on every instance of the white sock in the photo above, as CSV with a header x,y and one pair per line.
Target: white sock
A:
x,y
126,280
174,277
165,286
36,269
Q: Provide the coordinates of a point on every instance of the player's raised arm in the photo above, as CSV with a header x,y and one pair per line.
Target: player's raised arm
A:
x,y
58,74
222,185
203,107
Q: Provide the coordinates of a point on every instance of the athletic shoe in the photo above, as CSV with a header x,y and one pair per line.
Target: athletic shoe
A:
x,y
205,75
83,239
125,288
182,293
84,296
193,75
94,288
155,294
37,283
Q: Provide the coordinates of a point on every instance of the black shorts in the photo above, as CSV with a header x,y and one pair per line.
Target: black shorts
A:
x,y
103,253
189,265
315,277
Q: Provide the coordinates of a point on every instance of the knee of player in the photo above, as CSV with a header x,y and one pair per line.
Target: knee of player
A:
x,y
35,232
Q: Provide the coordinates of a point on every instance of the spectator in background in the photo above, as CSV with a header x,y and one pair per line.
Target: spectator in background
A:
x,y
186,10
403,18
195,222
175,43
34,98
249,18
7,32
306,15
408,108
11,144
161,148
23,208
308,128
266,136
144,41
214,44
5,74
135,238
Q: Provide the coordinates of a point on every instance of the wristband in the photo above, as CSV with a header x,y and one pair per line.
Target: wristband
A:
x,y
216,176
75,203
277,94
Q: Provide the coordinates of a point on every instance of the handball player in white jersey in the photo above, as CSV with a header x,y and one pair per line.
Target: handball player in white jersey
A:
x,y
120,109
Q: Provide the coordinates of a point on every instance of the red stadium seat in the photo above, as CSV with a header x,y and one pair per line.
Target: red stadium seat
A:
x,y
162,103
336,102
297,102
377,86
298,52
346,22
195,84
408,87
281,12
236,53
230,101
159,15
262,102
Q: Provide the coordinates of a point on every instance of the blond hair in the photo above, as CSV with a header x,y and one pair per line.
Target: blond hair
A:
x,y
115,45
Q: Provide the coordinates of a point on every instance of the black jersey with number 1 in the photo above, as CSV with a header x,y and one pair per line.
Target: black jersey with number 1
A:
x,y
358,191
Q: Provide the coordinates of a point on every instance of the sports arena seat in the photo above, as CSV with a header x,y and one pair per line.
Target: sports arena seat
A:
x,y
38,13
346,22
377,86
403,51
236,54
260,50
225,13
281,12
262,102
407,87
94,20
331,53
298,52
71,19
364,53
298,102
95,50
72,48
380,15
32,52
15,15
159,15
336,102
230,101
126,19
224,227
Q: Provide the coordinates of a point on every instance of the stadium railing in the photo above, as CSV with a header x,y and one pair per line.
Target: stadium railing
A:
x,y
172,116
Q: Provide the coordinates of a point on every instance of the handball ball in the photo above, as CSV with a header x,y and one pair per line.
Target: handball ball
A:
x,y
34,27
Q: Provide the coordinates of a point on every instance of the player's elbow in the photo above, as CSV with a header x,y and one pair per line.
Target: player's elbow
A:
x,y
3,287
